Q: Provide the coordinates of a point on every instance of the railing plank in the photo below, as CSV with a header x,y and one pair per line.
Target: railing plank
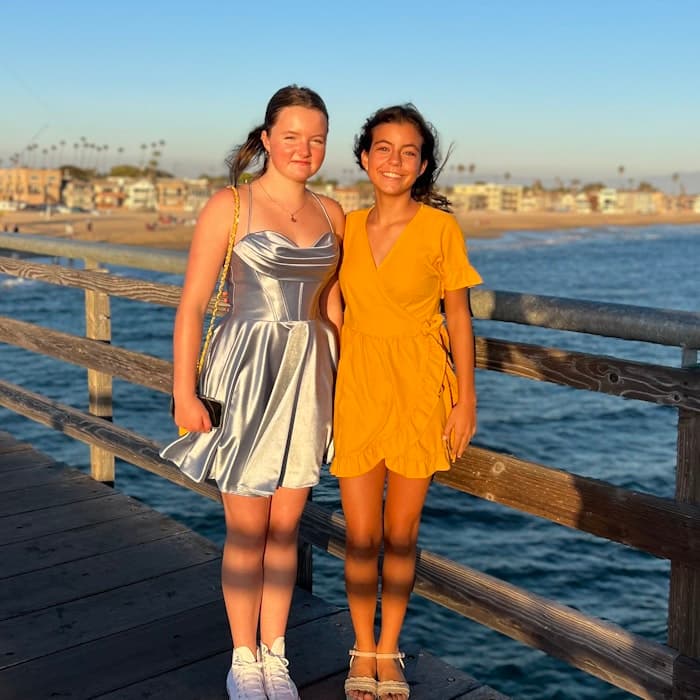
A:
x,y
126,255
656,525
610,375
624,321
124,287
135,367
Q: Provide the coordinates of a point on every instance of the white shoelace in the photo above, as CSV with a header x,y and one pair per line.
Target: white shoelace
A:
x,y
247,680
277,681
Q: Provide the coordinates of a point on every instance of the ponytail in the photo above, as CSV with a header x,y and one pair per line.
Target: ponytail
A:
x,y
246,153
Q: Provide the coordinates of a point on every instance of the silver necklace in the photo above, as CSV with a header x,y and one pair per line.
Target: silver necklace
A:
x,y
292,214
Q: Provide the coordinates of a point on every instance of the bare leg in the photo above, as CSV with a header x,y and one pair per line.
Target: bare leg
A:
x,y
280,562
402,511
242,564
362,498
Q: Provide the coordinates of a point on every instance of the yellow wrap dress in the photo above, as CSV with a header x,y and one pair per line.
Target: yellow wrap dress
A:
x,y
395,385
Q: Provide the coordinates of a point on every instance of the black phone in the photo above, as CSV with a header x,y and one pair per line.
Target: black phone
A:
x,y
214,409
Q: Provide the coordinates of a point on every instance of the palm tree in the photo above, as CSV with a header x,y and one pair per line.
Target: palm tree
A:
x,y
62,144
506,176
620,170
676,179
144,146
471,167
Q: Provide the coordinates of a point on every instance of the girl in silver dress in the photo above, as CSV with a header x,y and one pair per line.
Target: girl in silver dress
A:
x,y
271,363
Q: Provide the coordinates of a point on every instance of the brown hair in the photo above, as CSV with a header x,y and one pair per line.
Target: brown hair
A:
x,y
252,148
423,189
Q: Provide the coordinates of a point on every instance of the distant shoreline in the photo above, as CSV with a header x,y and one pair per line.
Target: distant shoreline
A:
x,y
128,227
485,224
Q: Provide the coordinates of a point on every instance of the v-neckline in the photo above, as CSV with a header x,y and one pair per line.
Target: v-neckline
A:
x,y
401,235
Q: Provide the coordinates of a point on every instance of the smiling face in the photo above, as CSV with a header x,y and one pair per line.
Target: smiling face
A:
x,y
296,142
393,162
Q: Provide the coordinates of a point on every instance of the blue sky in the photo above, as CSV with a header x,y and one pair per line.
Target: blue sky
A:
x,y
538,88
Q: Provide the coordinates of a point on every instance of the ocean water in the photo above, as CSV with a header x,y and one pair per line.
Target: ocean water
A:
x,y
628,443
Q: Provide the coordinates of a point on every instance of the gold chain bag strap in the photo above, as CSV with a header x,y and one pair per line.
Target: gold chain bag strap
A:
x,y
213,406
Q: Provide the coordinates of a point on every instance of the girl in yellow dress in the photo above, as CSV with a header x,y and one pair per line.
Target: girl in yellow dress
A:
x,y
401,411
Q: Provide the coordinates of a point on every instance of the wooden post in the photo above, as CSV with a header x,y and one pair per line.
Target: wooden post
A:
x,y
98,326
684,597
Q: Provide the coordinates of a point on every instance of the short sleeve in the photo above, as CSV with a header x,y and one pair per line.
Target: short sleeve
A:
x,y
456,271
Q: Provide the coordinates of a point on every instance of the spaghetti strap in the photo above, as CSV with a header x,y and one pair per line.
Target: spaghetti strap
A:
x,y
323,209
250,207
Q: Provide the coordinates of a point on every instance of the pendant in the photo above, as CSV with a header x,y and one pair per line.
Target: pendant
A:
x,y
293,218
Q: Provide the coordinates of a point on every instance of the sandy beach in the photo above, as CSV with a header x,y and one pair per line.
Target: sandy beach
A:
x,y
137,228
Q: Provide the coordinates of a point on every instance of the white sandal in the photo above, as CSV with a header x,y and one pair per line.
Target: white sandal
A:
x,y
362,684
393,687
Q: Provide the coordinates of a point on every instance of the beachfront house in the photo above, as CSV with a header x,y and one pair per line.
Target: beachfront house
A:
x,y
607,201
110,192
78,194
32,186
140,195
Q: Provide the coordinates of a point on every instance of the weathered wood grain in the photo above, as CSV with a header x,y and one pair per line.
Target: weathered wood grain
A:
x,y
98,326
29,526
135,367
53,628
125,287
59,493
85,541
27,593
660,526
121,659
628,379
684,593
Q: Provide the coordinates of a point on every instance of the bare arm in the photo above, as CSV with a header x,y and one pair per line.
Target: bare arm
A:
x,y
206,256
461,423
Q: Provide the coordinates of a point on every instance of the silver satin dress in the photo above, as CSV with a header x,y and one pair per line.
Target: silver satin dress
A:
x,y
271,362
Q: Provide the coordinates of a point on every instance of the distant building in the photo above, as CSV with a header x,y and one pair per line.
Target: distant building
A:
x,y
488,196
78,193
171,195
30,185
607,201
110,192
636,202
582,203
348,198
140,195
198,192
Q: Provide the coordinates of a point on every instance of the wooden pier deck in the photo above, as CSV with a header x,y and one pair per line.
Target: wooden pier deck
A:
x,y
103,597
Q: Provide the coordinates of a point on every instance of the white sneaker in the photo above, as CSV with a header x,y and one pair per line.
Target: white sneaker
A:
x,y
245,679
278,684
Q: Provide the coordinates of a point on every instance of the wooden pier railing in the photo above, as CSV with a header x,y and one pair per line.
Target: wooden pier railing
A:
x,y
668,528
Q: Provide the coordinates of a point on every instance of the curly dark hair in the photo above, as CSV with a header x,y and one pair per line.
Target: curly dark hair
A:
x,y
252,148
423,189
